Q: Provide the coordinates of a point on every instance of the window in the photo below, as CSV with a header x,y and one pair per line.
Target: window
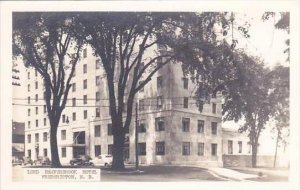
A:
x,y
185,102
74,72
85,53
36,123
85,84
240,146
141,67
249,147
124,107
97,80
63,118
97,130
63,152
29,138
36,73
36,110
97,63
159,101
127,131
45,136
142,89
73,102
28,87
74,116
28,75
214,149
45,152
214,108
84,99
185,124
73,55
28,112
97,112
84,68
45,121
200,149
63,134
230,151
29,153
141,105
110,149
74,87
36,85
159,82
214,128
186,148
85,114
200,126
142,128
159,124
36,97
109,129
160,148
28,99
185,83
97,150
45,108
159,59
28,124
97,96
142,148
37,139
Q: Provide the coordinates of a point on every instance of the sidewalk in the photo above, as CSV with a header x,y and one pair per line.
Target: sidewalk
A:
x,y
280,172
251,174
232,174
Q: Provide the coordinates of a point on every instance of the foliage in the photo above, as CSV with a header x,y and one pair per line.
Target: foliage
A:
x,y
46,42
279,80
134,46
283,23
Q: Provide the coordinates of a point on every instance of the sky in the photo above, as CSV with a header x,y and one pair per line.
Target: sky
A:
x,y
265,41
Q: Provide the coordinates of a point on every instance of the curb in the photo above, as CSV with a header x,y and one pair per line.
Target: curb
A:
x,y
124,172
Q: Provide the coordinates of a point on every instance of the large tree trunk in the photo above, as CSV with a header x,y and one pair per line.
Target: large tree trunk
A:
x,y
118,146
55,163
254,155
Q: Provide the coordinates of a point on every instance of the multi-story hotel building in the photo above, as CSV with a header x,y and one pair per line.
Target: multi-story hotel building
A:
x,y
171,129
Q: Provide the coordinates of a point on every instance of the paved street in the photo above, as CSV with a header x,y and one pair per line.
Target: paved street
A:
x,y
162,173
181,173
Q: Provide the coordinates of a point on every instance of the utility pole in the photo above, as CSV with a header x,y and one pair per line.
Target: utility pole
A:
x,y
136,137
277,141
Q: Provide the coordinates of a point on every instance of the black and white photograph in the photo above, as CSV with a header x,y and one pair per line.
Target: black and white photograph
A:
x,y
150,95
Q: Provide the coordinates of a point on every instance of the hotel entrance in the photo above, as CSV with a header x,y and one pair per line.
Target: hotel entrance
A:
x,y
79,144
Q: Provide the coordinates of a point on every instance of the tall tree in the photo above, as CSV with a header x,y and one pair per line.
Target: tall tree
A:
x,y
249,100
279,92
134,46
247,87
46,42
